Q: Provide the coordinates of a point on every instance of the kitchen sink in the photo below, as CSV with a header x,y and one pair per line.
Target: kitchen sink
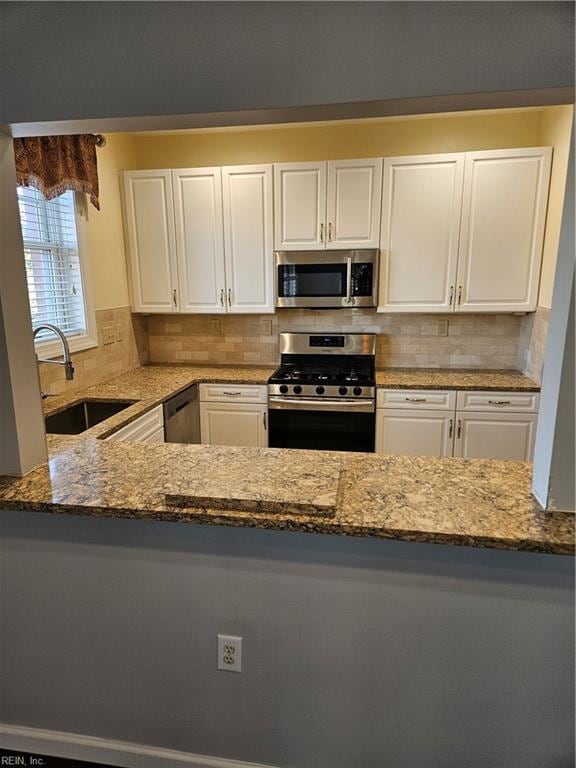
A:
x,y
81,416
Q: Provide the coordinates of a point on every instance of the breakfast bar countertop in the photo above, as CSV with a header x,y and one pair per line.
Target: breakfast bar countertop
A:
x,y
480,503
476,503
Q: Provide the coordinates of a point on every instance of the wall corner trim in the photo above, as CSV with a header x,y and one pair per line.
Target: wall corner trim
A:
x,y
123,754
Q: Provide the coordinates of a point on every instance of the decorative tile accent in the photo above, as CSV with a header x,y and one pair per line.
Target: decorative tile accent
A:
x,y
129,350
532,343
473,341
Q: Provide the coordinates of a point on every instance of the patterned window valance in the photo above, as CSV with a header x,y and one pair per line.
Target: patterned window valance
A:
x,y
54,164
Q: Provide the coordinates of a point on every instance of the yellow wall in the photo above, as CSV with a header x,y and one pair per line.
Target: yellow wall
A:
x,y
105,234
556,128
368,138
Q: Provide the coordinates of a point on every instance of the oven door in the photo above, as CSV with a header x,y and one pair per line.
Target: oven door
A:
x,y
324,425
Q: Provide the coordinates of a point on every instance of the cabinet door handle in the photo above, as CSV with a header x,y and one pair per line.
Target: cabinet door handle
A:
x,y
264,420
329,231
232,393
451,428
222,296
451,296
174,297
459,433
459,294
322,232
415,399
229,297
499,402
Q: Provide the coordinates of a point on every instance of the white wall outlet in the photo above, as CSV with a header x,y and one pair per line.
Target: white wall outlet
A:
x,y
230,653
108,334
117,332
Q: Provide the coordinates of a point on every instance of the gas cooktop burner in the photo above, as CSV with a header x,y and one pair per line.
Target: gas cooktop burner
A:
x,y
332,375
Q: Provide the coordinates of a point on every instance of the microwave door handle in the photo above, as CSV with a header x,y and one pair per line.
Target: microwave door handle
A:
x,y
349,280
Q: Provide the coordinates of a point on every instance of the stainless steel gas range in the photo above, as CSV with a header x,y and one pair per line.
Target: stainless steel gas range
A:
x,y
323,395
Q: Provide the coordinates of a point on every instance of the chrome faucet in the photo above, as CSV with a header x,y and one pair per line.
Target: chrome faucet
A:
x,y
66,362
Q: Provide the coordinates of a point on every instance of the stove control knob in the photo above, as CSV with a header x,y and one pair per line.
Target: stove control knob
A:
x,y
320,390
343,390
283,388
297,389
357,390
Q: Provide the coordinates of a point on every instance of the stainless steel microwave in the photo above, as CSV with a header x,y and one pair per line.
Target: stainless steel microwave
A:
x,y
327,279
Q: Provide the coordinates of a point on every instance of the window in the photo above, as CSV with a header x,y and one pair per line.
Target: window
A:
x,y
52,231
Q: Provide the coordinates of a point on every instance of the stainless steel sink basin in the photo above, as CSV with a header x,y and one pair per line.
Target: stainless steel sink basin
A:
x,y
81,416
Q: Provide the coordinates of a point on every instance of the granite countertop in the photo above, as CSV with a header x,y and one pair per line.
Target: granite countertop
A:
x,y
449,501
458,501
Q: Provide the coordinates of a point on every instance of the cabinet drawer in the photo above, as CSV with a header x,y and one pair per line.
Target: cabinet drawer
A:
x,y
416,399
229,393
513,402
143,428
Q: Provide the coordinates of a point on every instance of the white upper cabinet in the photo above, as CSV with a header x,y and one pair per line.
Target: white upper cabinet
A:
x,y
149,222
503,219
200,239
332,205
421,204
299,206
248,223
353,203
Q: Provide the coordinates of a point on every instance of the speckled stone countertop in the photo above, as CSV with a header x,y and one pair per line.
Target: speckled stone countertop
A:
x,y
449,501
442,378
457,501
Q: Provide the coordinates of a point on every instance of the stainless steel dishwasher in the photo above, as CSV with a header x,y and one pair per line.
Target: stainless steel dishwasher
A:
x,y
182,417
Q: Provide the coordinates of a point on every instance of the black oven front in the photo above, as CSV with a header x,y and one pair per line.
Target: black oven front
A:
x,y
325,425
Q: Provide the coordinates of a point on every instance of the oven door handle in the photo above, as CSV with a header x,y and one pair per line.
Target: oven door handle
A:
x,y
297,404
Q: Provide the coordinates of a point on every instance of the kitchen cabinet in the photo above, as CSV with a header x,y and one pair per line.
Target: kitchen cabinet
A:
x,y
334,204
503,218
463,232
215,226
467,424
416,433
495,435
248,238
422,197
150,240
234,415
199,239
148,428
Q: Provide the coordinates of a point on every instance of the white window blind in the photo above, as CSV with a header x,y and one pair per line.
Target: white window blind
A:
x,y
53,268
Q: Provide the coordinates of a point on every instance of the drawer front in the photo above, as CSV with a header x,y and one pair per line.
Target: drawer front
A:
x,y
513,402
233,393
141,429
416,399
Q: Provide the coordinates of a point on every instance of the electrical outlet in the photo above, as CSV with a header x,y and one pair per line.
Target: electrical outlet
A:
x,y
108,334
117,332
230,653
442,328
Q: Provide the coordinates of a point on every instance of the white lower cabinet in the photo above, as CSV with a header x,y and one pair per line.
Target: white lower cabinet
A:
x,y
149,428
472,425
495,435
416,433
234,415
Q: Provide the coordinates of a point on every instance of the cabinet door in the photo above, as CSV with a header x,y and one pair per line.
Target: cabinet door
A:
x,y
421,202
234,424
495,435
149,225
503,218
353,203
414,433
299,206
200,239
248,239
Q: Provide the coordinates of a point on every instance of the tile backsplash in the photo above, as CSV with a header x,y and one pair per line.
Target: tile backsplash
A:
x,y
106,360
532,343
472,341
